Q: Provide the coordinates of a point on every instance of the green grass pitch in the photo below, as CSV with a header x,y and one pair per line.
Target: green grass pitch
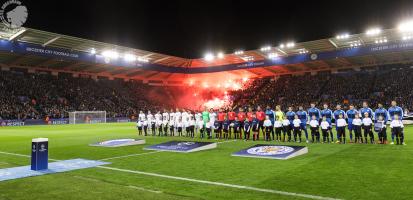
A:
x,y
350,171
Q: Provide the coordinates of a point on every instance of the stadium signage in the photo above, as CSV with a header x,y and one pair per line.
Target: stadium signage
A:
x,y
26,48
119,143
182,146
52,52
62,121
272,151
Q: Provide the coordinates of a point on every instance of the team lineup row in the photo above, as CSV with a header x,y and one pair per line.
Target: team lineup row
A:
x,y
272,124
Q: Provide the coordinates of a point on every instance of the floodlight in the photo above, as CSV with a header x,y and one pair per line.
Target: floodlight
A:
x,y
273,55
239,52
209,57
110,54
220,55
129,57
266,48
342,36
373,31
406,26
290,44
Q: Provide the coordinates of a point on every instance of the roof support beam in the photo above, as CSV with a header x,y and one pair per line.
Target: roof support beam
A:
x,y
333,43
161,59
50,41
17,35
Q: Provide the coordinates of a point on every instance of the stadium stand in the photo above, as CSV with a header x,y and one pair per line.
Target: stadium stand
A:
x,y
38,95
373,84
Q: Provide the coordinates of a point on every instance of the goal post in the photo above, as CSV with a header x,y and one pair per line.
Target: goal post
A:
x,y
87,117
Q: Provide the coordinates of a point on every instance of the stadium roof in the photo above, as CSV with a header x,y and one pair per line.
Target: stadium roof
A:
x,y
252,63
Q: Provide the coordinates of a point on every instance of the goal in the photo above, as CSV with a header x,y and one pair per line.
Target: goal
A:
x,y
87,117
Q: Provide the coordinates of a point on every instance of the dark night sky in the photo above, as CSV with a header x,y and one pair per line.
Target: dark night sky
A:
x,y
189,28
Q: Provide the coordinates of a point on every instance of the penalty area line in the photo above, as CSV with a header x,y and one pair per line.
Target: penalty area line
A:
x,y
308,196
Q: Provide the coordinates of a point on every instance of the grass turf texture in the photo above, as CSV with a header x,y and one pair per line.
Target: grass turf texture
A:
x,y
350,171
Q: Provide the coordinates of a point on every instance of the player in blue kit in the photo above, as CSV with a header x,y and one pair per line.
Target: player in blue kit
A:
x,y
303,116
351,114
290,116
393,111
328,114
382,114
271,115
337,113
367,109
314,111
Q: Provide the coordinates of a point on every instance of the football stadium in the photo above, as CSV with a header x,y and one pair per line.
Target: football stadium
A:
x,y
328,118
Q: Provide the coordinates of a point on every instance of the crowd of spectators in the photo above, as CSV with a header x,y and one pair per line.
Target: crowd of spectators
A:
x,y
38,95
375,85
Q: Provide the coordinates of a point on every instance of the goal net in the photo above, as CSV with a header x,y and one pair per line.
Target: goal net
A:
x,y
87,117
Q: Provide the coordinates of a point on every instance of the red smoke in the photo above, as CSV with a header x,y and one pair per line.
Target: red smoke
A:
x,y
211,90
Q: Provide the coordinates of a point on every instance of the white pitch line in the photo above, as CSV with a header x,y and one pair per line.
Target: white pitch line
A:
x,y
202,181
15,154
144,189
226,141
22,155
308,196
130,155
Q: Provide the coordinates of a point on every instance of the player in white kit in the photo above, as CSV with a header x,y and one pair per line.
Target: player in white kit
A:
x,y
151,122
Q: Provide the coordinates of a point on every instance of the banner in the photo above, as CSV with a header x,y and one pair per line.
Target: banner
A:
x,y
34,49
62,121
182,146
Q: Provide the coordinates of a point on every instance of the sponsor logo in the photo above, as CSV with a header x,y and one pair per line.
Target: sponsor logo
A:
x,y
42,148
13,14
270,150
116,142
314,56
186,143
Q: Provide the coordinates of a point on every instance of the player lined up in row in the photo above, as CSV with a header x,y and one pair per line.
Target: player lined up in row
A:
x,y
280,126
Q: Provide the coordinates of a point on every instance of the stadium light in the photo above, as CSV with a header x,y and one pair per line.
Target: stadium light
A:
x,y
290,44
93,51
245,79
303,51
380,40
373,31
407,37
287,45
209,57
129,57
266,48
239,52
110,54
343,36
272,55
143,59
220,55
356,43
406,26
